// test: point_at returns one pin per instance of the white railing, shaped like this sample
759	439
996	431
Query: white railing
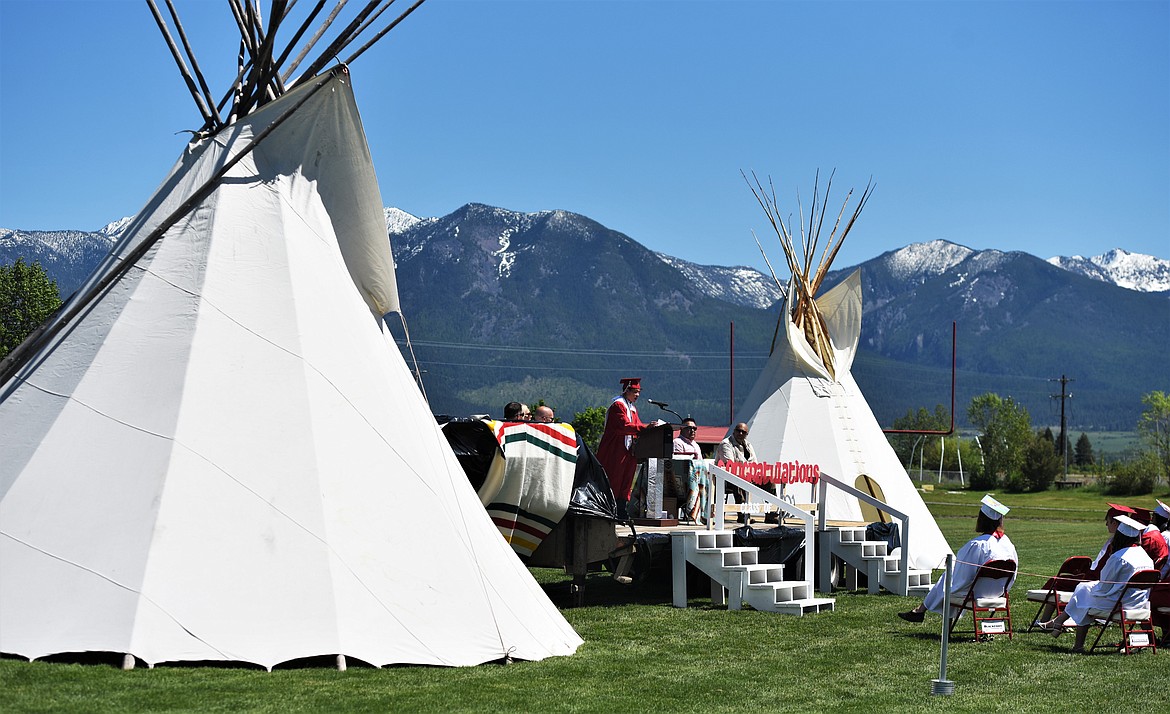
821	556
720	476
904	529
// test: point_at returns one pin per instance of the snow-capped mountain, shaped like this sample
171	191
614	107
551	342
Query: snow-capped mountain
112	230
1144	273
921	260
67	256
503	296
399	221
740	285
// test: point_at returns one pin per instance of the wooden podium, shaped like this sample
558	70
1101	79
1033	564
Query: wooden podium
655	442
654	447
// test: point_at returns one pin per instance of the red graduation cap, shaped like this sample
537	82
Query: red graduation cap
1116	509
631	383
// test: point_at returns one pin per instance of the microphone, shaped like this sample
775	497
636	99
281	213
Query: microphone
661	405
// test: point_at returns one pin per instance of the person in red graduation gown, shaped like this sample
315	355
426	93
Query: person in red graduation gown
615	452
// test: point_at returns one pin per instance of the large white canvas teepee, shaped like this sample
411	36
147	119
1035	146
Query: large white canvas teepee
223	455
800	411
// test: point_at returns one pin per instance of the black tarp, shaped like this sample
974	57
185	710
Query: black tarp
592	495
474	445
887	532
782	544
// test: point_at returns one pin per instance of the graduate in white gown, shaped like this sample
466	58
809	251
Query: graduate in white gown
1160	595
1161	519
991	544
1127	558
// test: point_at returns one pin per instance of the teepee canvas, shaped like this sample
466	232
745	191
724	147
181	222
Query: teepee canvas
216	452
805	406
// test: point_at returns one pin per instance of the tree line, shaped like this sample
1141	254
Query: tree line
27	298
1008	453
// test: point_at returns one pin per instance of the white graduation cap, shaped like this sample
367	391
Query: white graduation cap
1162	510
1128	526
992	508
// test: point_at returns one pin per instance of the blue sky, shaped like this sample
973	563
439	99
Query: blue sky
1035	126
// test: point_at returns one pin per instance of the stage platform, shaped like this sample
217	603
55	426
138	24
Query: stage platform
731	521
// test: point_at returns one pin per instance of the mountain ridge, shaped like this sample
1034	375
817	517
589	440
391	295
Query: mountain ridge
1133	271
506	305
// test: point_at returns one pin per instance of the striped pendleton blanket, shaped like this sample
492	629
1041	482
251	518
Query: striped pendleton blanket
540	461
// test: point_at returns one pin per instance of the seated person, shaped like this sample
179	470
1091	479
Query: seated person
544	414
517	411
1127	557
736	447
1160	594
1160	600
1161	518
1114	511
1152	539
684	445
991	544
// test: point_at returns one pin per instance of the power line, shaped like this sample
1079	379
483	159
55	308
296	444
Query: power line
480	365
575	351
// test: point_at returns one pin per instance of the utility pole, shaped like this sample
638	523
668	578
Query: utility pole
1064	395
731	376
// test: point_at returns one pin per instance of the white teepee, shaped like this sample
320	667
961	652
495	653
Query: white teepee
221	455
806	407
797	412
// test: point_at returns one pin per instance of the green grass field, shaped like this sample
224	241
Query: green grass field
641	654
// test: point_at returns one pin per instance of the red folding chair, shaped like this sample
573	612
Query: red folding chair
1160	606
1137	628
1056	592
992	615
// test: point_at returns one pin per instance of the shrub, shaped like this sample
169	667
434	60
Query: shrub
1133	478
589	425
984	479
1040	466
27	298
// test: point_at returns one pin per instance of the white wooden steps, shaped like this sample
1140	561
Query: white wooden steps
882	570
737	575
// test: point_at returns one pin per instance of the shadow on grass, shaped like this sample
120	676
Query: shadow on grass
112	660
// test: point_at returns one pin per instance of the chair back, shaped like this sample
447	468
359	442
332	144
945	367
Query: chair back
996	570
1143	580
1076	566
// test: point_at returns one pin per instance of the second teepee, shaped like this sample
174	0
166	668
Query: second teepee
805	406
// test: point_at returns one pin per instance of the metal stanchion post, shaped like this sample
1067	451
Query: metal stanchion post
942	685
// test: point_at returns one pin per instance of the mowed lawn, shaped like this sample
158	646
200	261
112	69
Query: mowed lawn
641	654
